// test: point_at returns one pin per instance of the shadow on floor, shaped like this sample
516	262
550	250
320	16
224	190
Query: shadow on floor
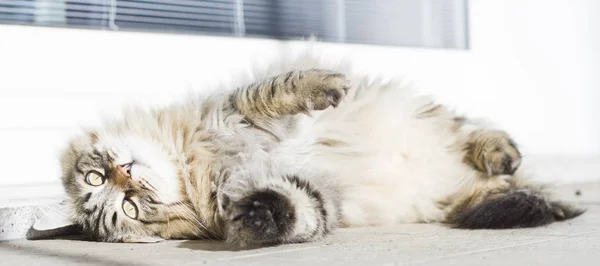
214	245
199	244
66	256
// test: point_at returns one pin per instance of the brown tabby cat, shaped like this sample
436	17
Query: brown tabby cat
292	156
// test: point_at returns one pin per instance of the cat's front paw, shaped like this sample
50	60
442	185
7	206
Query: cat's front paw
264	217
322	88
492	152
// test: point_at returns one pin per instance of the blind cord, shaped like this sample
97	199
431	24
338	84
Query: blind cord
239	26
112	15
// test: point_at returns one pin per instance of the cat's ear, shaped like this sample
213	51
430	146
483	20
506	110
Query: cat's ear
142	239
53	221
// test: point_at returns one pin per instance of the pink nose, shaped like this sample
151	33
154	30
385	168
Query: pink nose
125	169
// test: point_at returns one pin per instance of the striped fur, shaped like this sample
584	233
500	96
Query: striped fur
294	153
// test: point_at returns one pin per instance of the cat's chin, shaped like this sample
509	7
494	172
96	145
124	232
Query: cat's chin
167	191
149	163
152	155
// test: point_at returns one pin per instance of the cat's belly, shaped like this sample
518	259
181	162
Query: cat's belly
400	189
402	184
385	178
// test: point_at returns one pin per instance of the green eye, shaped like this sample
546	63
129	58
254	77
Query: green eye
130	209
94	178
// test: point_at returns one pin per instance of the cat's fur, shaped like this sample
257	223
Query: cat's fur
294	154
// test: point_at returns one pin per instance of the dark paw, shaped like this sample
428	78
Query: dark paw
262	217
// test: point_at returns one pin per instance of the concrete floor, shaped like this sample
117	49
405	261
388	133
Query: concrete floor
575	242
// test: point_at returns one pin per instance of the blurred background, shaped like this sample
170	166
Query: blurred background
531	66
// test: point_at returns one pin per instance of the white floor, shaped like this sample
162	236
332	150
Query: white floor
575	242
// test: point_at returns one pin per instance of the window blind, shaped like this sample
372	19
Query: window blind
422	23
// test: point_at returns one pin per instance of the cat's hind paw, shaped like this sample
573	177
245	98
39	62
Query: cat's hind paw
263	217
492	152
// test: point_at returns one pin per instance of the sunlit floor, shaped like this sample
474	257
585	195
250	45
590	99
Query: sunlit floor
575	242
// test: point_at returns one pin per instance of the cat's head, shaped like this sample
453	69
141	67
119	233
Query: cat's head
125	189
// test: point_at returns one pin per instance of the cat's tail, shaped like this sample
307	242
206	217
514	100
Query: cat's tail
518	206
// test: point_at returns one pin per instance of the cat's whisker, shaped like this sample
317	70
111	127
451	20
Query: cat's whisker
181	209
188	215
176	212
177	208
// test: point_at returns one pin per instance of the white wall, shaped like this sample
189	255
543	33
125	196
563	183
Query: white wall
532	68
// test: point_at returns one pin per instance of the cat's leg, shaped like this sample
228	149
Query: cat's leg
285	210
501	196
290	93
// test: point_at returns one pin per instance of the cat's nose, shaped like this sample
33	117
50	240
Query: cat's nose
125	169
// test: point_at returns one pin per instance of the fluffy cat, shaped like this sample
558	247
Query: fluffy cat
301	149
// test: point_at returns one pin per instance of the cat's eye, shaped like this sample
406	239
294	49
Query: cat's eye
94	178
130	209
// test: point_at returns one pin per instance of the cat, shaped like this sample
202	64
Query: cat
299	150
